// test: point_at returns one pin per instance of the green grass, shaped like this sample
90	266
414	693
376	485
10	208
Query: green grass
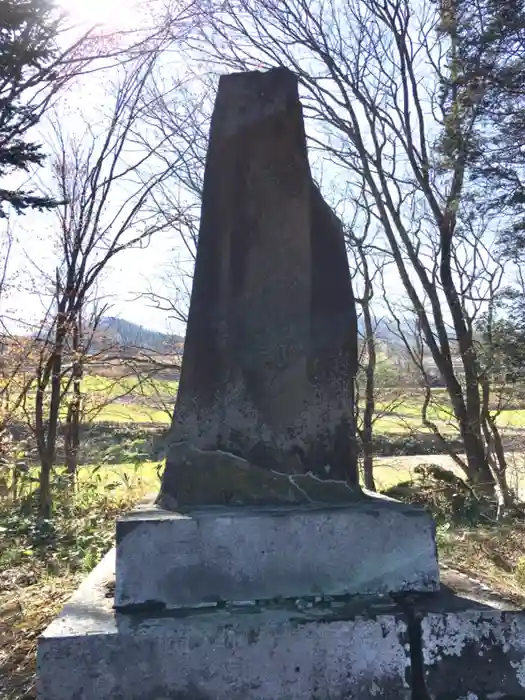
113	388
130	479
128	400
131	413
405	415
100	493
513	418
399	424
121	400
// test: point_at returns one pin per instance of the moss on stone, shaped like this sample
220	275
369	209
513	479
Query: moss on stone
200	478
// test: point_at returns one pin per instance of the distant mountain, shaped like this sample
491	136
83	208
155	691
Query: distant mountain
126	334
119	331
386	331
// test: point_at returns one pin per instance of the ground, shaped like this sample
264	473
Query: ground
42	563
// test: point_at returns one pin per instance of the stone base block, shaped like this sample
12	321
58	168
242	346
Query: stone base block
351	651
476	654
456	644
213	554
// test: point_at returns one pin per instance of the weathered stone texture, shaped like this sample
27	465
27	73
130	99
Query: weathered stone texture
93	653
360	648
476	654
214	477
271	342
209	555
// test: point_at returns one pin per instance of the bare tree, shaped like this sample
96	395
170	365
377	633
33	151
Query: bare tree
178	128
107	183
379	90
480	271
359	243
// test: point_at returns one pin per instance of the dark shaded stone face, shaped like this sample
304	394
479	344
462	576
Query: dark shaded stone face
271	344
213	477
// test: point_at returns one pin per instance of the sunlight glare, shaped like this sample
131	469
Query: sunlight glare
109	14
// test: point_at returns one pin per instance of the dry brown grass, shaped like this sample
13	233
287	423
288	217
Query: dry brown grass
39	573
489	554
25	611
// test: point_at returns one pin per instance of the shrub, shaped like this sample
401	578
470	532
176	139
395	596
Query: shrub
519	571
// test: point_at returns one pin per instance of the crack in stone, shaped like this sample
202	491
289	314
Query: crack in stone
416	673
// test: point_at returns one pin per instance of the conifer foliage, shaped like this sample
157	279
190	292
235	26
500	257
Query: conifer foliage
32	69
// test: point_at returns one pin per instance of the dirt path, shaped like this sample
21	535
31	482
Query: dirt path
389	470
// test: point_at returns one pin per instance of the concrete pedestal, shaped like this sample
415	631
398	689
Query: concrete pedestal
208	555
280	652
439	646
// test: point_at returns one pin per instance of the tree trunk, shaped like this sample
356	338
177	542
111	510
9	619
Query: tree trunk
72	439
495	451
368	467
479	472
46	430
468	416
44	499
368	418
370	369
500	465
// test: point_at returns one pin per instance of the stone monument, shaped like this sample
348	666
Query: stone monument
264	412
263	571
271	344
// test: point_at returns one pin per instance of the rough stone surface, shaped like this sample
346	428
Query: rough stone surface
214	477
271	343
345	653
206	555
477	654
440	646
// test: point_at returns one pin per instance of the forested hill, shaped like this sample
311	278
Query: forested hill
125	333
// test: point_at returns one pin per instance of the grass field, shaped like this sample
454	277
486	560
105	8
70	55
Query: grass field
125	401
130	400
154	401
131	413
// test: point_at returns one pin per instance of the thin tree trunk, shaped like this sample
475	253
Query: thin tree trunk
46	431
368	414
45	499
478	469
72	436
479	472
368	466
500	464
495	451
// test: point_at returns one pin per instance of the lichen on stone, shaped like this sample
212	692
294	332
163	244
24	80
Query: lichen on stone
204	478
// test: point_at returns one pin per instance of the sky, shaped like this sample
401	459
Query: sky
134	272
109	13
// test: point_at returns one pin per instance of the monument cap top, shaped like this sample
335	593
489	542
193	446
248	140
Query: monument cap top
246	98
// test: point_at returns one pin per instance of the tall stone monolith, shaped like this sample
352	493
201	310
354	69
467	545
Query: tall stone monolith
271	344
